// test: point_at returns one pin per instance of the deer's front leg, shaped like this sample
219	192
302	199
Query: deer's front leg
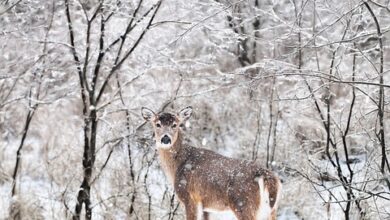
191	210
205	216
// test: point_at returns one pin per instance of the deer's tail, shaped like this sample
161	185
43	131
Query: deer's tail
269	190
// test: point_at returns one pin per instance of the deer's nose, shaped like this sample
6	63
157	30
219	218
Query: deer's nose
166	139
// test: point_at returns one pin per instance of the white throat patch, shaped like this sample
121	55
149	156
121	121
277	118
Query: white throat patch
163	146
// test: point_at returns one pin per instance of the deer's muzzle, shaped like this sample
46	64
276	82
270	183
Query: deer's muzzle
166	139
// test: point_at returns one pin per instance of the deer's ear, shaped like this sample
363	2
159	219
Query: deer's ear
185	113
148	114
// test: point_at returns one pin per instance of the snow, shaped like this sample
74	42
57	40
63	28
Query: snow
190	56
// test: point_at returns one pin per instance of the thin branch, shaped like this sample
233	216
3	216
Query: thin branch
10	7
381	105
121	61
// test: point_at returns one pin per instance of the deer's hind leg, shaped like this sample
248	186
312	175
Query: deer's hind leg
273	215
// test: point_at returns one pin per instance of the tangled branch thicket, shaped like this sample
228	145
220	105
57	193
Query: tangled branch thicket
298	86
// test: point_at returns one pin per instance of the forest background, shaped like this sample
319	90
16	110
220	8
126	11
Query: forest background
299	86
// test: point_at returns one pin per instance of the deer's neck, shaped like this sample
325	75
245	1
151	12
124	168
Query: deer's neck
172	158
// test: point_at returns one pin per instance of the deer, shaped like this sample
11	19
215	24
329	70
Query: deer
205	181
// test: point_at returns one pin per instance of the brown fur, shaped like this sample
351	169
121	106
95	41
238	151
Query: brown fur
216	182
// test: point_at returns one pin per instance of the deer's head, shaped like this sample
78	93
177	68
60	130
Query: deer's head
166	125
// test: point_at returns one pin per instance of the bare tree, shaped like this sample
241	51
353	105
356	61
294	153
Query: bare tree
91	93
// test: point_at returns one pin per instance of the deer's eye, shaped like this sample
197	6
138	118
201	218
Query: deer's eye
158	125
174	125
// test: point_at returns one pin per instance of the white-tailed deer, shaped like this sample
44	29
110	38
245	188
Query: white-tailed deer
205	181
